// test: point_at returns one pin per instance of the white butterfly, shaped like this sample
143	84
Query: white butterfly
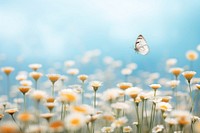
141	45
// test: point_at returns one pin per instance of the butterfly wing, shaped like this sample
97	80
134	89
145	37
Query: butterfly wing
141	45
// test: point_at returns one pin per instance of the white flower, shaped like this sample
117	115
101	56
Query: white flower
35	67
171	121
124	85
155	86
133	92
68	96
192	55
157	129
183	117
7	70
127	129
120	105
176	71
189	75
107	130
164	106
126	71
110	94
173	83
26	83
53	77
83	77
119	122
73	71
171	62
95	85
132	66
75	121
38	95
69	63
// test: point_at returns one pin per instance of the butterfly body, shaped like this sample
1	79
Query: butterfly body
141	46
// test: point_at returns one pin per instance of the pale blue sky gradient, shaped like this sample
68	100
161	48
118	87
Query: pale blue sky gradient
49	30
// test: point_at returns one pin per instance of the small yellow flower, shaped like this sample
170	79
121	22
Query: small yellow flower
173	83
107	129
7	70
56	126
25	117
83	109
83	77
25	83
9	128
155	86
166	99
38	95
35	67
127	129
11	111
35	75
124	85
133	92
47	116
192	55
50	99
73	71
50	105
68	96
53	77
108	117
119	122
24	89
176	71
189	75
75	121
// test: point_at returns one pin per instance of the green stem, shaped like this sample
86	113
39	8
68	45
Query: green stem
154	114
193	103
36	84
118	112
88	129
182	128
124	102
93	126
189	85
24	102
163	119
8	87
138	118
170	129
64	110
154	93
82	93
61	115
53	90
37	111
146	112
142	115
151	116
95	99
192	126
16	122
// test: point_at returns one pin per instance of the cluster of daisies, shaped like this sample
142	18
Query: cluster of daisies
135	105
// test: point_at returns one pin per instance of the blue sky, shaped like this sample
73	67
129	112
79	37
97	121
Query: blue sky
48	30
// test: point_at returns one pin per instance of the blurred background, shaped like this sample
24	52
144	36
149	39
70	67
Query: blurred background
51	32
